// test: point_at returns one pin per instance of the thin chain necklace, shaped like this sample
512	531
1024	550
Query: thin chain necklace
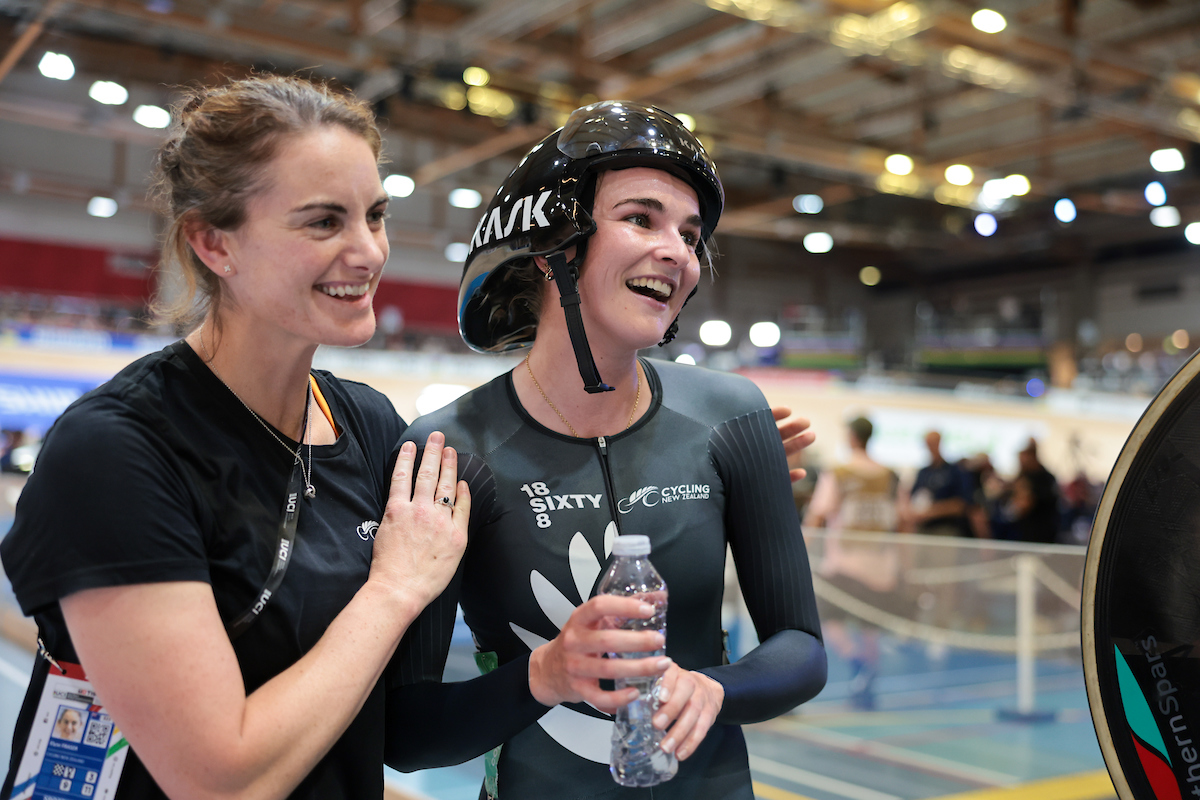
636	398
310	491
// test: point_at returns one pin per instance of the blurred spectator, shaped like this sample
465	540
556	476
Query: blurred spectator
859	495
979	471
1080	498
12	441
1035	499
939	498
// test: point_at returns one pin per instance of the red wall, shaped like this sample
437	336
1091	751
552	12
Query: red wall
424	306
66	269
40	267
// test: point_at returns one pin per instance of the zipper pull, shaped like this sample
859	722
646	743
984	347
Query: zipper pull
603	446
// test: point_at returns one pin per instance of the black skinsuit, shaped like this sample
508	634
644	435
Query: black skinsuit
704	467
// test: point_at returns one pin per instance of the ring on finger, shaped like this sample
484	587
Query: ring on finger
446	501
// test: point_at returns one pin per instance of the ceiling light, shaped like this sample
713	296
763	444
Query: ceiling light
1167	160
898	164
688	121
716	333
1018	184
985	224
988	21
764	334
457	252
476	76
465	198
808	203
993	194
1164	216
102	206
1192	232
109	93
57	66
152	116
399	185
869	276
818	242
955	195
959	174
1064	211
1133	342
685	359
488	102
1156	193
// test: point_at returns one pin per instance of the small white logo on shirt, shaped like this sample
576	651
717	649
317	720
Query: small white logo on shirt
650	496
367	530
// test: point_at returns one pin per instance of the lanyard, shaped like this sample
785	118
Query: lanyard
283	552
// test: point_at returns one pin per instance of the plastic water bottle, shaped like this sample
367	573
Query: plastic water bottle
637	758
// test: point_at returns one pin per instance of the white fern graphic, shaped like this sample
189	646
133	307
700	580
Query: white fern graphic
585	736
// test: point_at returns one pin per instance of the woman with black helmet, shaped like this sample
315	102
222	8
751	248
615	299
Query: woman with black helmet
589	251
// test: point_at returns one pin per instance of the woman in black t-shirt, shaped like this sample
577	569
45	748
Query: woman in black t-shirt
164	502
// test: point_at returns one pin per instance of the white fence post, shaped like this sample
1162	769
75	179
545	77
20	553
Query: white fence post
1026	633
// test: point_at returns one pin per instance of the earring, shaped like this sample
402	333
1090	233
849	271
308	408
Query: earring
228	270
549	274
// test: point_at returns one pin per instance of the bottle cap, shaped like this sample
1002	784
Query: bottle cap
631	546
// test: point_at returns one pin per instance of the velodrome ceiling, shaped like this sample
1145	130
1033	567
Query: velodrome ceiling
793	97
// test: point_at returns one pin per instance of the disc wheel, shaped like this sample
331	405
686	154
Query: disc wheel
1141	602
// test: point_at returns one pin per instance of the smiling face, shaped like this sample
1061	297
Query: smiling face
307	259
68	724
641	263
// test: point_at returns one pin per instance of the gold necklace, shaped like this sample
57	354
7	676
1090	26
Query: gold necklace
637	376
310	491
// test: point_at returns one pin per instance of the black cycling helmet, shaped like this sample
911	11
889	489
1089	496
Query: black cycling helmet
544	207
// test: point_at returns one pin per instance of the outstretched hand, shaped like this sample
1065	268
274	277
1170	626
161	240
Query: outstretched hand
569	668
795	435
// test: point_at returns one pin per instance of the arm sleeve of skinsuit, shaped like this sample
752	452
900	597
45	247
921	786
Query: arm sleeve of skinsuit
439	724
763	530
432	724
421	655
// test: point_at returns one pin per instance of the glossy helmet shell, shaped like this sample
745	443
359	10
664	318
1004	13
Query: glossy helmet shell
544	206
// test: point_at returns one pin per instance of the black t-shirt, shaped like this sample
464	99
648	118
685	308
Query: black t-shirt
1041	522
944	482
704	467
162	475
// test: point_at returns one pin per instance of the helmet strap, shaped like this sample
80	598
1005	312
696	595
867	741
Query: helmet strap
673	330
566	277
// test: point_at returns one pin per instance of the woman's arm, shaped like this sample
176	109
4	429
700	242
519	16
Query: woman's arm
160	658
789	665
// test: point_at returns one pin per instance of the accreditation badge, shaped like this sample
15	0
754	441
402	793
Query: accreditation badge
1141	602
74	749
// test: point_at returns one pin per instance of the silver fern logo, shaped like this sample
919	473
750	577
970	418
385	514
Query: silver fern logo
586	736
367	530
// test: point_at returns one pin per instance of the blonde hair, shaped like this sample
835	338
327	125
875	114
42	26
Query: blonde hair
214	160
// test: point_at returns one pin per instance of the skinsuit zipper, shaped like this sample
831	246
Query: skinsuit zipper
602	447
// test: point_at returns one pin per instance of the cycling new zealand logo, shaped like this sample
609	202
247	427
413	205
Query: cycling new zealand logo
651	496
1159	757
